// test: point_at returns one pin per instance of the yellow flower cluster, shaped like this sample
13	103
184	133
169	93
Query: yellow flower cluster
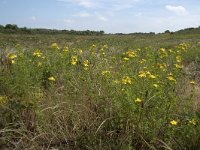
126	80
105	73
144	74
12	57
171	78
92	49
178	62
37	53
66	49
178	66
193	121
129	54
3	99
86	64
163	53
178	59
54	46
192	82
183	46
74	60
162	66
102	50
116	81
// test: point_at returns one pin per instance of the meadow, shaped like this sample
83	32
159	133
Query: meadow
105	92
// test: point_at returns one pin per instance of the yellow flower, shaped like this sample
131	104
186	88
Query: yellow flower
178	66
152	76
66	49
138	100
131	54
163	53
126	80
144	67
80	51
183	46
54	46
162	49
171	78
142	61
171	51
74	60
178	59
3	99
116	81
173	122
51	78
193	121
102	50
155	85
86	63
126	58
142	74
192	82
105	72
148	73
12	56
37	53
170	74
13	61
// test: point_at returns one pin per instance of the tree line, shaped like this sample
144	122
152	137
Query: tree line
14	29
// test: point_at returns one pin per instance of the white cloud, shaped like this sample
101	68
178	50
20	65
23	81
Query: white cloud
129	16
83	14
84	3
67	21
110	13
178	10
103	4
139	14
33	18
101	17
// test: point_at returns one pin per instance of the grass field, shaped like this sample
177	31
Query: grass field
100	92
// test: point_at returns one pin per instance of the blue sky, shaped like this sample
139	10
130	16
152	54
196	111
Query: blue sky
112	16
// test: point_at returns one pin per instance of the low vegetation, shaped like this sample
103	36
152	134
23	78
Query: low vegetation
108	92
